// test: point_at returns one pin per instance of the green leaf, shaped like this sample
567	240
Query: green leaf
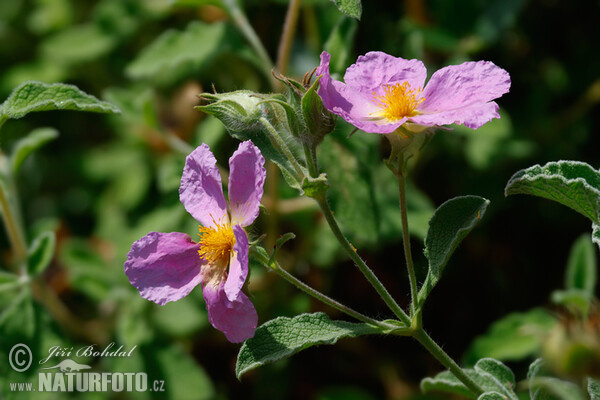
596	234
281	337
534	369
581	267
41	253
571	183
573	299
30	143
35	96
184	51
450	223
448	383
352	8
184	378
593	387
339	44
514	337
559	389
491	375
8	281
17	321
500	374
78	44
491	396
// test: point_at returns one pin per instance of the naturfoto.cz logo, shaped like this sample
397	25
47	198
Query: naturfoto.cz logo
71	376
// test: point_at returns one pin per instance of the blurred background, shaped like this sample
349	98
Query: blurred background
108	180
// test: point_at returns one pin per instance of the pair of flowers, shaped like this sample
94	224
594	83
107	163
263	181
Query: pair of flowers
380	94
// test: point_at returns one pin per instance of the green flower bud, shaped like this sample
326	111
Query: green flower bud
239	111
317	119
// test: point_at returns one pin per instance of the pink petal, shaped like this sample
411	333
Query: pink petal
236	319
246	178
201	192
459	88
353	106
376	69
472	117
164	266
238	266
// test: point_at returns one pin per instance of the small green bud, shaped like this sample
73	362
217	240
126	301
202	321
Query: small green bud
317	119
239	110
406	144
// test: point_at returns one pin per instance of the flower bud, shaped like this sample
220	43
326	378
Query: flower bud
239	111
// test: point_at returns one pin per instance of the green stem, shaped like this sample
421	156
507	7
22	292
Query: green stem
13	228
239	18
274	266
287	36
426	341
311	160
406	242
362	266
282	147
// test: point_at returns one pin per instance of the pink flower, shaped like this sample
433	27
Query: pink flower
381	92
167	266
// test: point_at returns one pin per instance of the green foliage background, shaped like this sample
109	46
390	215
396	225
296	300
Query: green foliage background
105	181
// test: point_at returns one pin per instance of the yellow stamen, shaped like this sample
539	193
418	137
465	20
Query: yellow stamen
398	101
216	244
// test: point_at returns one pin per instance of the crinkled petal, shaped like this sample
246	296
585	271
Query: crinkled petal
472	117
236	319
460	87
164	266
238	266
201	192
353	106
246	178
377	69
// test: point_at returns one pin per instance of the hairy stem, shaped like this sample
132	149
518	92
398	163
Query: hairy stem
13	228
362	266
406	242
287	36
274	266
426	341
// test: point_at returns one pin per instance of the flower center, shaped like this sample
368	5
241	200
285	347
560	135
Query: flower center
216	244
398	101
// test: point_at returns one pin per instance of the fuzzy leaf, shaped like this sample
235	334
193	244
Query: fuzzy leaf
513	337
352	8
281	337
450	223
446	382
491	375
571	183
41	253
30	143
500	374
581	267
8	281
491	396
534	369
593	387
35	96
191	49
596	234
557	388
